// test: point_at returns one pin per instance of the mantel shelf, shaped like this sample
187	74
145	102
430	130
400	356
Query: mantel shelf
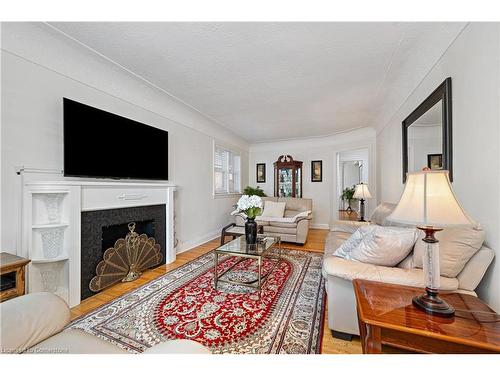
93	183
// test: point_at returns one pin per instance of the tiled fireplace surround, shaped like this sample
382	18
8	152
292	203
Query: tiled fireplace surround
94	223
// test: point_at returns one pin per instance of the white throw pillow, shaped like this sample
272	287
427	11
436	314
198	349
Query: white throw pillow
456	247
349	244
274	209
383	246
381	212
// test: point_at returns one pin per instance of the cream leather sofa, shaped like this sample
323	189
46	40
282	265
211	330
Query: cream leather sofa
339	273
289	232
35	323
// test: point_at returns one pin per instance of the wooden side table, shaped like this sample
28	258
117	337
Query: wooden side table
386	316
12	272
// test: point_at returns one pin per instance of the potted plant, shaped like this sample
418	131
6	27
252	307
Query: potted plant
251	206
254	191
348	195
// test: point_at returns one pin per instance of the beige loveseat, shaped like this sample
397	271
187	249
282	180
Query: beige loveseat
296	231
35	323
339	273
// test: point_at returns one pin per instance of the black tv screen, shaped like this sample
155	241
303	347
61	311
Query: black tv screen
104	145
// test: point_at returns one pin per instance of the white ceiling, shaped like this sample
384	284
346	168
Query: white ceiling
269	81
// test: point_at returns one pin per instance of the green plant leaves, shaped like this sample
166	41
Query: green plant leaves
254	191
253	212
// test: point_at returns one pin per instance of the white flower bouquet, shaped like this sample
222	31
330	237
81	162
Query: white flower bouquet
250	205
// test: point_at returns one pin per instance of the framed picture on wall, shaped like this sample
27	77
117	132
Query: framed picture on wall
261	172
317	171
435	161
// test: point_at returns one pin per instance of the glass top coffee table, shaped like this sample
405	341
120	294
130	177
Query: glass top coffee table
268	247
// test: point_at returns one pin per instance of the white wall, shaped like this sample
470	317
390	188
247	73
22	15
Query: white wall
41	66
472	62
325	200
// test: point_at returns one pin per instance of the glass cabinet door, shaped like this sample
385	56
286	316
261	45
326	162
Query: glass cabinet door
287	177
285	182
298	192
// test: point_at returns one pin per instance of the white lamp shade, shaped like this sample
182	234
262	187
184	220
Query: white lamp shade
428	200
362	192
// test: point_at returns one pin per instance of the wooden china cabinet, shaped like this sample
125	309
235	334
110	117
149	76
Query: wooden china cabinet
287	177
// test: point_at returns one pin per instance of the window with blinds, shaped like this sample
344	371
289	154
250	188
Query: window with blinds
227	177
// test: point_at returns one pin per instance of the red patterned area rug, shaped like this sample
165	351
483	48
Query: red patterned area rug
285	317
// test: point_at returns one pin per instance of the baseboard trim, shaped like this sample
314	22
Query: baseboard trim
319	226
188	245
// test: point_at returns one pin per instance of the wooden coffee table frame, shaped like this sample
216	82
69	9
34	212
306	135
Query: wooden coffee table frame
406	327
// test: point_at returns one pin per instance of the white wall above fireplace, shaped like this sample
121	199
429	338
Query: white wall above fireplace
52	213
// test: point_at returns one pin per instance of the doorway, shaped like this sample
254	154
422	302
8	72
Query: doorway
352	169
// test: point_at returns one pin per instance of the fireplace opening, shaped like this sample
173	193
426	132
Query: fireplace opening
111	233
127	259
101	229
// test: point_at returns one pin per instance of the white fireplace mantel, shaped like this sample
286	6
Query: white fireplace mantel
52	209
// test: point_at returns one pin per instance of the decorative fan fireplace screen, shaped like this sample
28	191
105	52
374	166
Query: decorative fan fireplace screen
126	259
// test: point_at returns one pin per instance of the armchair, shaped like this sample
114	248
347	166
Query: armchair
295	229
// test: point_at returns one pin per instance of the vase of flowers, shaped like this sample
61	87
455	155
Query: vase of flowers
251	206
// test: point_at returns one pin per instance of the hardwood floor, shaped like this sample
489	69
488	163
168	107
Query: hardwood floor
315	242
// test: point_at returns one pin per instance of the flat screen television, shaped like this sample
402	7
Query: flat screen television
104	145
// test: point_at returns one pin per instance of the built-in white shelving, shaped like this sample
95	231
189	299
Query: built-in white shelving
51	260
48	214
45	226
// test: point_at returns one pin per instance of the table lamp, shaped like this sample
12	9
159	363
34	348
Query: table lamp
429	202
362	193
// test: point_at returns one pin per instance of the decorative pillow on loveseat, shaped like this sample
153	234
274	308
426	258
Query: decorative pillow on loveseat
274	209
456	247
382	246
